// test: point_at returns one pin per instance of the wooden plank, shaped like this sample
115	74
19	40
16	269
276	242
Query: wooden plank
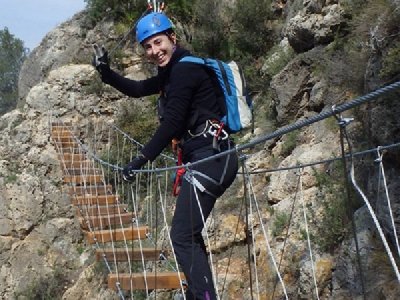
60	123
67	144
71	157
61	133
82	171
106	221
130	234
75	150
101	210
61	130
77	164
94	199
121	254
83	179
90	189
159	280
63	139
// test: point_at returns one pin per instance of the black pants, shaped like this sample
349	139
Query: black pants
187	222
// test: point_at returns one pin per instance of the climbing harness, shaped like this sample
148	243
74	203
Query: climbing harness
179	174
211	128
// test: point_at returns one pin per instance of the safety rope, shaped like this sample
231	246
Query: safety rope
191	177
289	128
231	250
253	238
297	125
83	210
343	123
164	212
382	173
266	238
371	211
246	201
308	235
287	230
355	154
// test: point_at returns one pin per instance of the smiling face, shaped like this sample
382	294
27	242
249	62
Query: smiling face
159	48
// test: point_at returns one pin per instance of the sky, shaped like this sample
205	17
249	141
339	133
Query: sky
31	20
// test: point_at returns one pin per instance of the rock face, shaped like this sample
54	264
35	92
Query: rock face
69	43
39	235
314	25
41	245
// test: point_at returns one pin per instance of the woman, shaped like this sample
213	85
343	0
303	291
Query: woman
189	105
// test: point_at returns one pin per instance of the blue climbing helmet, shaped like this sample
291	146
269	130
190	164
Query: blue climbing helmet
152	24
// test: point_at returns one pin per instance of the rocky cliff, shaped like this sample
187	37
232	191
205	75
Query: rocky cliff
42	250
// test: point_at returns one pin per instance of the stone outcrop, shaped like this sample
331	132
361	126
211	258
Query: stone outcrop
316	24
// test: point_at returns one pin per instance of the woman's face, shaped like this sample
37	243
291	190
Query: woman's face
159	48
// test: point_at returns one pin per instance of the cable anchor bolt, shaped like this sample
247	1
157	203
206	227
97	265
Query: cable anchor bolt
342	121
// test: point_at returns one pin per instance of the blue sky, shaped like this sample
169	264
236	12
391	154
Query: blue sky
30	20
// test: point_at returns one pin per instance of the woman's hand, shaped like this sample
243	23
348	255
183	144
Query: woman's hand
128	173
100	59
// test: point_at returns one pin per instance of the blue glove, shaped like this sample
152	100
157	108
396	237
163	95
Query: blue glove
100	59
128	173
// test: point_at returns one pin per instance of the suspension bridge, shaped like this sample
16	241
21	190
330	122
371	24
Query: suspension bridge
128	224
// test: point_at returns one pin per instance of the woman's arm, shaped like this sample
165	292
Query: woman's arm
132	88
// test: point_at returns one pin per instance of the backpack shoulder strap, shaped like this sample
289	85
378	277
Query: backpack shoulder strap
193	59
217	88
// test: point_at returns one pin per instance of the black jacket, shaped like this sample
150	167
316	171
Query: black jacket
190	95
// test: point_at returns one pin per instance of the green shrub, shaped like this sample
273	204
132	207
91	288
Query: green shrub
391	62
210	30
47	288
95	86
279	58
128	11
251	31
289	142
281	221
11	178
333	227
116	9
181	9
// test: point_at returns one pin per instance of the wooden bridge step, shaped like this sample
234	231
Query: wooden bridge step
120	234
82	171
106	221
94	199
63	139
96	210
72	157
60	123
67	144
58	133
58	129
75	150
90	189
83	179
77	164
159	280
121	254
61	126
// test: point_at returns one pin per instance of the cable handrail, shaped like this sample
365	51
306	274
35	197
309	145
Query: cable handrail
335	110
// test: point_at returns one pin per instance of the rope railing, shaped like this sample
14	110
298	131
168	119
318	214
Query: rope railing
102	138
284	130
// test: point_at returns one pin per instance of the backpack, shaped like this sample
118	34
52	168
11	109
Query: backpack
237	107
